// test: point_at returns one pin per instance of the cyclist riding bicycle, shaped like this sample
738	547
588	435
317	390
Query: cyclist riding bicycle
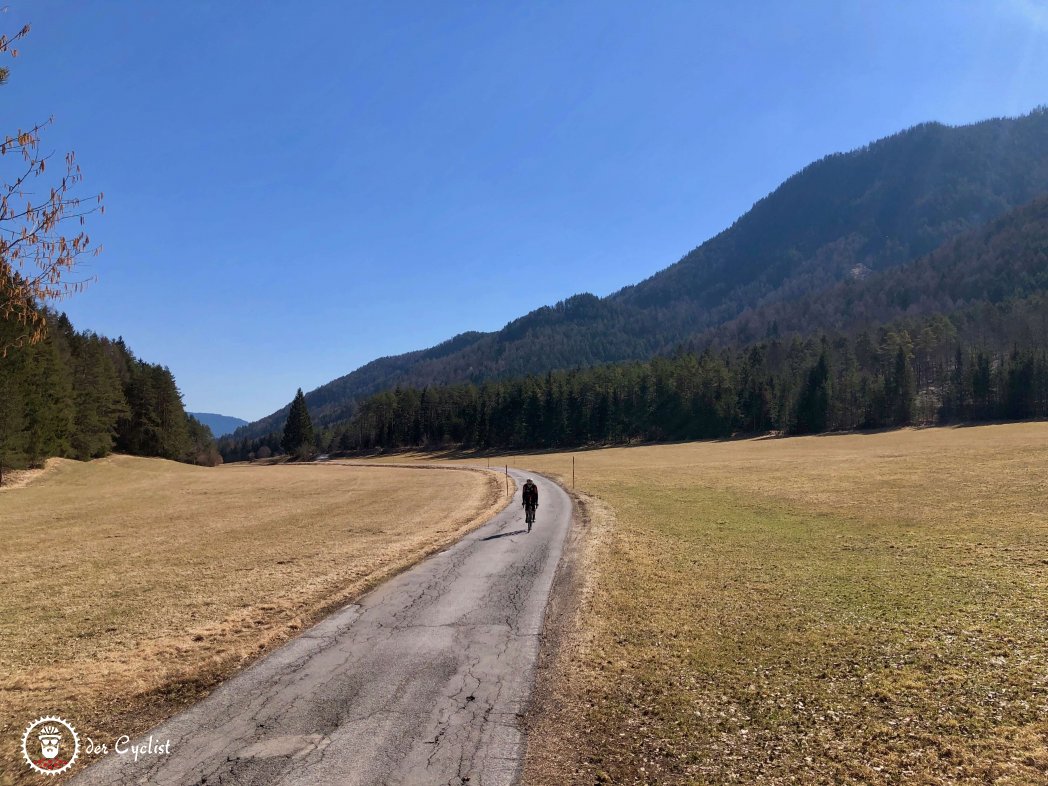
530	496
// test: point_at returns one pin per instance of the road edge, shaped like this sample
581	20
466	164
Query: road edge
554	712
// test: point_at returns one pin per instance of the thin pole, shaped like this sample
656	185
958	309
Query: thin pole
572	472
507	480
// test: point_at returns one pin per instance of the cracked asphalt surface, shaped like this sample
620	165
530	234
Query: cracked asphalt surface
423	681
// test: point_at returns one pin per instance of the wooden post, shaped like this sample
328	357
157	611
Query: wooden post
507	480
572	473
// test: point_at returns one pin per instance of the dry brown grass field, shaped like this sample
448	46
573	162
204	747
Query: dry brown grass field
131	586
849	609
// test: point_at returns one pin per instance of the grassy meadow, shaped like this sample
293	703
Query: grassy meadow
131	586
850	609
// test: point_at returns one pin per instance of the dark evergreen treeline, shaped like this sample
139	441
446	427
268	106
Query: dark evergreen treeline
80	395
937	370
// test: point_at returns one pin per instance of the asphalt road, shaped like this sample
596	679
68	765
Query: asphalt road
421	682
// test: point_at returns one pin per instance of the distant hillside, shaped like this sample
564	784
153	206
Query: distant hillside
956	335
220	425
846	215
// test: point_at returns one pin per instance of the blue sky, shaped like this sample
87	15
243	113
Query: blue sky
294	189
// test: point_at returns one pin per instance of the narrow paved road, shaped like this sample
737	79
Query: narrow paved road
421	682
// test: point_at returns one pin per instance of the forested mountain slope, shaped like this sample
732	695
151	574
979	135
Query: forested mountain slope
958	334
843	217
875	207
1005	259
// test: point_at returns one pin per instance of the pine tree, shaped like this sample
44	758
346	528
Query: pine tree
1021	400
175	442
813	406
955	402
345	442
298	437
48	396
901	389
99	399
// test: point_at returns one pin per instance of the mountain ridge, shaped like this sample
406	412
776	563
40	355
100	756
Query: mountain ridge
876	207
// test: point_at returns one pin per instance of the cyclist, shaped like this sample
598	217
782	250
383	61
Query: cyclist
530	498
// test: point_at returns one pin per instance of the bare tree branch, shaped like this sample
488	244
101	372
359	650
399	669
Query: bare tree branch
39	246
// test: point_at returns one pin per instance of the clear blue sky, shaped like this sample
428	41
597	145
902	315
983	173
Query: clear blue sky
294	189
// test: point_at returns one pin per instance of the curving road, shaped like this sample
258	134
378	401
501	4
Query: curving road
421	682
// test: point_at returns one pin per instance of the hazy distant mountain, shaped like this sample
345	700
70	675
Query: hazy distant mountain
220	425
869	210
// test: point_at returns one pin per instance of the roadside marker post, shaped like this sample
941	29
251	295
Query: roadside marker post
507	480
572	473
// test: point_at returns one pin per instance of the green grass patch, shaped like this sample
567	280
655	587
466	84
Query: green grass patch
744	642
